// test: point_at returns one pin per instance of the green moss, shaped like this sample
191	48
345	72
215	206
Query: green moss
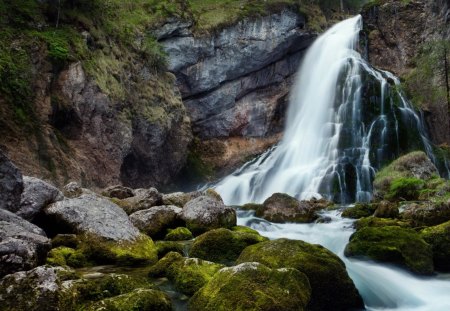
165	247
68	240
223	245
379	222
359	210
253	286
332	288
392	244
160	268
62	256
244	229
179	234
251	207
439	239
139	299
405	189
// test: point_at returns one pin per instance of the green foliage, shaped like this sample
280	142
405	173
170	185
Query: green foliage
154	54
405	189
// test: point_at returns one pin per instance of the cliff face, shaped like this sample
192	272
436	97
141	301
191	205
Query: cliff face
410	38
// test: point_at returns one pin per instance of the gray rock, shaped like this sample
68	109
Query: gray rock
72	190
7	216
173	27
142	199
156	220
41	289
118	191
179	198
93	214
36	195
205	213
23	246
426	213
11	185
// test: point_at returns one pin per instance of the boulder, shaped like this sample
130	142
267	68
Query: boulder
253	286
23	246
179	234
281	207
223	245
379	222
11	184
187	274
332	288
90	213
206	213
179	198
392	244
66	256
72	190
386	209
156	220
439	239
141	200
118	191
36	195
427	213
359	210
165	247
41	289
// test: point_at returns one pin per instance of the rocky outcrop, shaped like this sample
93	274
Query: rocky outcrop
396	33
91	214
11	184
235	82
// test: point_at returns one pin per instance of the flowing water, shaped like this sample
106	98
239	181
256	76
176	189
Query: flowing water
345	120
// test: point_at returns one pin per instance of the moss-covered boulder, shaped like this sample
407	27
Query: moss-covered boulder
426	213
68	240
281	207
187	274
165	247
332	288
379	222
392	244
157	220
404	176
359	210
179	234
66	256
138	299
253	286
439	239
386	209
223	245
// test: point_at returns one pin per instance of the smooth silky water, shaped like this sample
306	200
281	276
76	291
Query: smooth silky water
345	120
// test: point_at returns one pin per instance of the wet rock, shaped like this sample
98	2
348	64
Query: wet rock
281	208
223	245
90	213
41	289
23	246
427	213
359	210
179	234
439	239
206	213
165	247
118	191
36	195
253	286
386	209
392	244
156	220
11	184
332	288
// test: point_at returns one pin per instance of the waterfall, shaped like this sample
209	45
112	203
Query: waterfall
345	120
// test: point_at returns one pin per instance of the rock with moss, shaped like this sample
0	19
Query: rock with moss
392	244
405	189
41	289
72	190
223	245
359	210
117	191
415	165
142	199
68	240
138	299
386	209
165	247
253	286
178	234
187	274
179	198
332	288
244	229
157	220
380	222
66	256
206	213
281	207
439	239
426	213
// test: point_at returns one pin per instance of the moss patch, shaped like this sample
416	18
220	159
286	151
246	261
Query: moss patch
359	210
179	234
439	239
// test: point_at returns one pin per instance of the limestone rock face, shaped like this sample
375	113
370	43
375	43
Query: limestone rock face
23	245
11	184
93	214
36	195
205	213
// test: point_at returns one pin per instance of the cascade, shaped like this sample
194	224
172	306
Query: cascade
345	120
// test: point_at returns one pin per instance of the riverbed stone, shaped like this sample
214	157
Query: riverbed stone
118	191
157	220
11	184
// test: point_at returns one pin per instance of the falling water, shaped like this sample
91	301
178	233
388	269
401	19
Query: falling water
345	120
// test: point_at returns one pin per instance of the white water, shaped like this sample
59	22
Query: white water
329	142
382	287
